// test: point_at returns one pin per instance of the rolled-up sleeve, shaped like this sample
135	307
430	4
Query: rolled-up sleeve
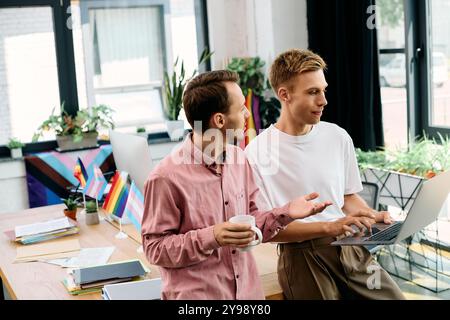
163	245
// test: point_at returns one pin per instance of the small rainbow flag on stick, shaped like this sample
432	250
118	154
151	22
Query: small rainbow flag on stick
117	197
134	208
80	173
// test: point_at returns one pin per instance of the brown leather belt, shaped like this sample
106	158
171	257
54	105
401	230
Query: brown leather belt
309	244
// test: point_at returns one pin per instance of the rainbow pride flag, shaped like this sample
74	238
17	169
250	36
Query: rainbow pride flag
96	184
253	124
134	209
80	173
117	197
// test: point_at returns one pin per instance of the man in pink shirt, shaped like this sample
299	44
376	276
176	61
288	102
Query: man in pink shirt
193	192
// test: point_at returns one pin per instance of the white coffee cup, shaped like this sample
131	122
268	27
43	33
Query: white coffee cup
250	220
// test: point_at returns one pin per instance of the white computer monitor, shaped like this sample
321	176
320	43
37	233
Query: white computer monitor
131	154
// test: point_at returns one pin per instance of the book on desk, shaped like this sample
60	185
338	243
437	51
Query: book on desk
92	279
136	290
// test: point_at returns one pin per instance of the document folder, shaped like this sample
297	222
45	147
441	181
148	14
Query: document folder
114	271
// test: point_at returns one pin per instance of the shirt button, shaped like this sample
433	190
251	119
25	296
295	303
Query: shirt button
233	252
237	276
226	203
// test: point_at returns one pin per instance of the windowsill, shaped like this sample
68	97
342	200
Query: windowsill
47	146
9	159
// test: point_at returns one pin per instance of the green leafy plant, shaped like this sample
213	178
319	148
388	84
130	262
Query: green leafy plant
251	76
87	120
15	143
424	157
71	203
371	159
174	85
91	206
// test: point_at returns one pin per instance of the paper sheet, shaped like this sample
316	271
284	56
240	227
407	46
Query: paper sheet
42	227
87	257
53	247
63	256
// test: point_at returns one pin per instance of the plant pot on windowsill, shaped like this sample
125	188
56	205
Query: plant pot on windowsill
89	140
175	129
16	153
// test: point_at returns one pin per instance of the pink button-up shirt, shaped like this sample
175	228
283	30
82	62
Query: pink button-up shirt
185	196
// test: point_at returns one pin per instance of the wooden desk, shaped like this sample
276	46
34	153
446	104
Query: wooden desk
38	280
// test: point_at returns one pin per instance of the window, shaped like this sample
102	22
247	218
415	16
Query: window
122	49
90	52
28	70
391	42
414	68
439	66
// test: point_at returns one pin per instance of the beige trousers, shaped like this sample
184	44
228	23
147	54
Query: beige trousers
316	270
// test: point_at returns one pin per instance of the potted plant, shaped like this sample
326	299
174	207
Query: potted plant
15	146
141	131
252	77
76	132
71	207
91	213
400	172
173	93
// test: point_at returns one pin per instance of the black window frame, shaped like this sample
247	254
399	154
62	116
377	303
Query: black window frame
425	38
418	64
65	58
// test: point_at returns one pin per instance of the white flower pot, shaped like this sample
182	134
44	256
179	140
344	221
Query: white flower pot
175	129
16	153
92	218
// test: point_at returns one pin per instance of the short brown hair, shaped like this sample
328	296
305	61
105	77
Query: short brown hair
206	94
291	63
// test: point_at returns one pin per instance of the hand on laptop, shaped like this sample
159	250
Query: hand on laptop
361	220
380	216
383	217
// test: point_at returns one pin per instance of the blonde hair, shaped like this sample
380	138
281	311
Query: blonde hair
292	63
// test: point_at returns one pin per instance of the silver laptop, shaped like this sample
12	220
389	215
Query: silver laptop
132	155
425	210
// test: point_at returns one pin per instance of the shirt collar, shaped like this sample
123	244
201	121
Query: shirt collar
199	157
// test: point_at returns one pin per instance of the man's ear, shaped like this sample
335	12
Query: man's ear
283	94
217	120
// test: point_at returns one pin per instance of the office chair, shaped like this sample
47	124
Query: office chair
371	194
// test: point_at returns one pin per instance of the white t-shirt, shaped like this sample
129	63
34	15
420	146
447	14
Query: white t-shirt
288	166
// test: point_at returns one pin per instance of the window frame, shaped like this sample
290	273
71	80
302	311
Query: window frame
65	59
87	5
418	64
425	35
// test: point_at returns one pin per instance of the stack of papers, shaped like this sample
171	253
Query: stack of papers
92	279
43	231
135	290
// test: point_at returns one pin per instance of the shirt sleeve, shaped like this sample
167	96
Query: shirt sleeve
269	222
162	243
352	177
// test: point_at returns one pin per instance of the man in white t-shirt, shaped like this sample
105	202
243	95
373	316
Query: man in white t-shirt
299	155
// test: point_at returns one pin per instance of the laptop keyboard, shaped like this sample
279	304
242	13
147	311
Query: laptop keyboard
386	234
